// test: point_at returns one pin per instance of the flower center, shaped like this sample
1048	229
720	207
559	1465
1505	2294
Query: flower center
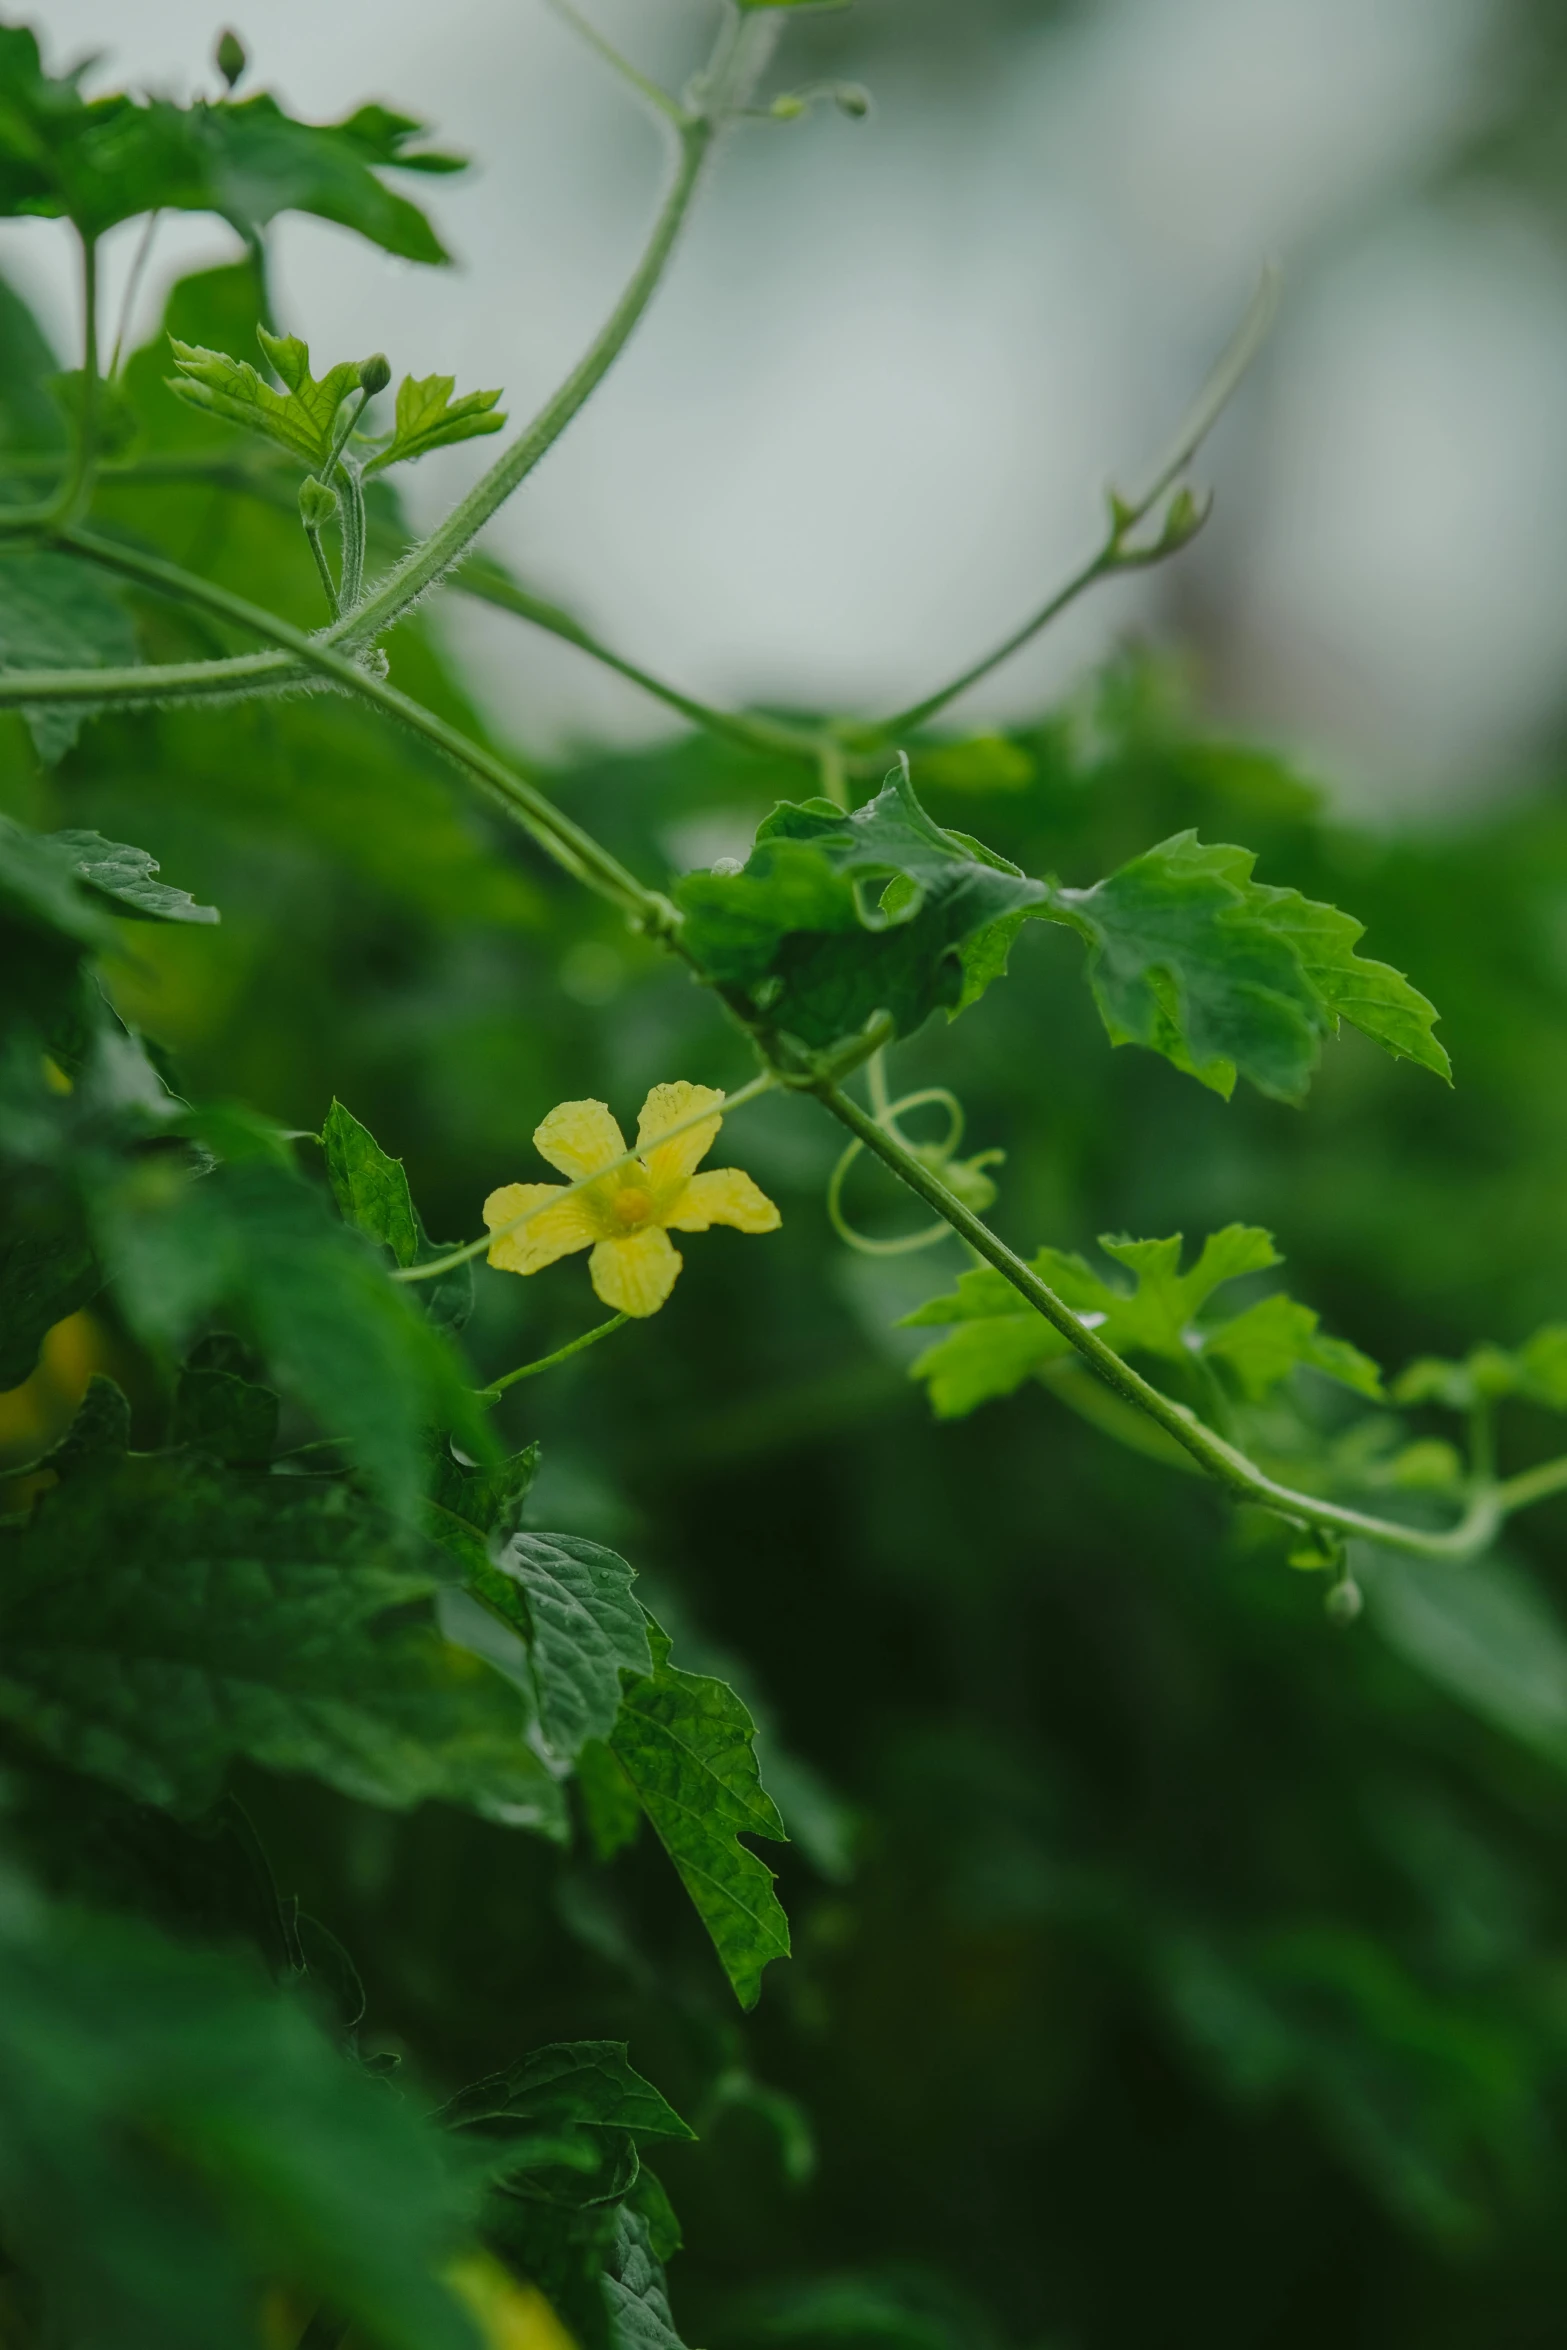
633	1206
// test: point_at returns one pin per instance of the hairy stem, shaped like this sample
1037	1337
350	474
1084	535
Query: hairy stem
739	60
576	851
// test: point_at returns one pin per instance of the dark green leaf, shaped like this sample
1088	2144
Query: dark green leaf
47	1270
371	1191
572	1602
259	1248
160	1616
174	2136
568	2087
635	2287
104	160
609	1801
684	1742
1191	957
837	916
220	1411
470	1507
58	613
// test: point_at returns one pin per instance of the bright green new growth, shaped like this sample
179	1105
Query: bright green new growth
302	418
993	1347
429	418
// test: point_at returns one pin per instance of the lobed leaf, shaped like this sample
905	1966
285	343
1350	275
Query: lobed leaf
995	1342
429	418
162	1615
371	1191
103	160
684	1742
301	418
1223	976
839	915
1535	1372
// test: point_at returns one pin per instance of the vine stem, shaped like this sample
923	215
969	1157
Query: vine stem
573	849
497	1387
1116	554
738	60
1240	1477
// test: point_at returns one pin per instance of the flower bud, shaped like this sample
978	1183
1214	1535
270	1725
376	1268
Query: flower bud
1344	1602
375	373
317	503
229	57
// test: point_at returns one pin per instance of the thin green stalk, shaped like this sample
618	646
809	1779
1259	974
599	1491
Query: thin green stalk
572	848
1116	554
497	1387
649	91
628	1158
133	288
323	567
742	59
1230	1468
351	521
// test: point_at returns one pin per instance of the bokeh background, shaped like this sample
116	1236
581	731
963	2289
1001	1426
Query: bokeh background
1171	1969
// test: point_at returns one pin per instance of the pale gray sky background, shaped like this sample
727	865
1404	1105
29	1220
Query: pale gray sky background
872	415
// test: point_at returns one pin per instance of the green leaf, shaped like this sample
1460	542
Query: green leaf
47	1270
174	2135
125	876
635	2287
371	1191
259	1249
837	916
429	418
1536	1373
572	1603
1486	1634
684	1742
103	160
610	1809
571	2088
161	1615
57	613
469	1506
302	418
1192	958
218	1409
997	1342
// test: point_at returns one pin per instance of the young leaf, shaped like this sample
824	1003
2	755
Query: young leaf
1192	958
1536	1372
684	1742
174	2135
161	1615
58	613
572	1603
837	916
371	1191
300	418
429	418
995	1346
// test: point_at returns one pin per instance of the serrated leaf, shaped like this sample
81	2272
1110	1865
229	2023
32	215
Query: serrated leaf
174	2134
1223	976
301	418
161	1616
102	160
58	613
371	1191
684	1742
572	1602
570	2086
836	916
259	1249
995	1342
126	877
429	418
636	2288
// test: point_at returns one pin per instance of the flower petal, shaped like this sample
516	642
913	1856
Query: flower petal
579	1138
552	1230
671	1163
635	1275
724	1195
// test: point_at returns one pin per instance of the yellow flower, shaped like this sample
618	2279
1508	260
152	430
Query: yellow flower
627	1215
